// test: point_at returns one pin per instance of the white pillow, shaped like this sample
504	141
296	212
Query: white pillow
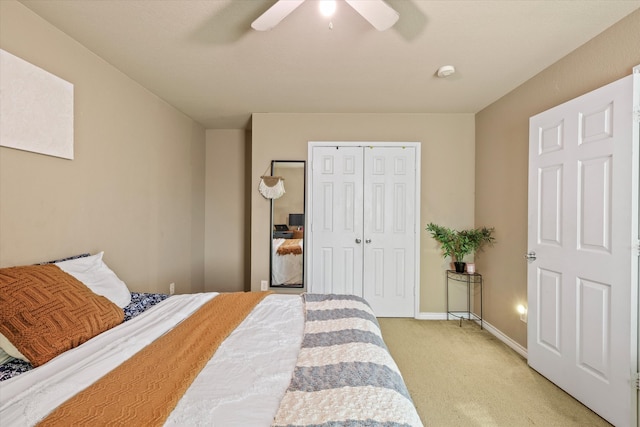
95	274
9	350
4	356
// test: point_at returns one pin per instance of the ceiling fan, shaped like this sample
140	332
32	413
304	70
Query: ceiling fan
377	12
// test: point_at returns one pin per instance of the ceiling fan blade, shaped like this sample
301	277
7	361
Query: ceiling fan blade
377	12
275	14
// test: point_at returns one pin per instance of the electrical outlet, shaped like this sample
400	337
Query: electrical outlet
264	285
523	312
523	317
172	288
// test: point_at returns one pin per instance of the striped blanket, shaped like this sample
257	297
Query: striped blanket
345	375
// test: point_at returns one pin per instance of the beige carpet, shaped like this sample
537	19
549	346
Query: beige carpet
464	376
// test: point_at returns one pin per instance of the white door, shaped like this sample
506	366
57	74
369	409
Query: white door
363	213
389	224
582	285
336	220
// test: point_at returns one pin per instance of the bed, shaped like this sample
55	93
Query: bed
286	262
279	360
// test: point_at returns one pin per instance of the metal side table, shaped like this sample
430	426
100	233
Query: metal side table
471	280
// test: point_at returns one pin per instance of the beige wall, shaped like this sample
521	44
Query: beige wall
135	188
226	212
447	181
502	160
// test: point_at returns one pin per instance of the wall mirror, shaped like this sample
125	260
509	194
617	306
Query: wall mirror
287	226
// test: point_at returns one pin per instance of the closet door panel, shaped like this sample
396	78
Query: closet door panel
337	220
389	219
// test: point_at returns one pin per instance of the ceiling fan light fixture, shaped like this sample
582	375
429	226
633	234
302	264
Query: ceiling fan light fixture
327	7
377	12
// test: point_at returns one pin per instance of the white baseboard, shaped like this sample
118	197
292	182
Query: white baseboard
431	316
505	339
488	326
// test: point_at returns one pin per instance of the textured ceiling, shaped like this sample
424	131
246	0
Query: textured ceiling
203	57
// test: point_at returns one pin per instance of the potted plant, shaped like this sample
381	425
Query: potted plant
459	243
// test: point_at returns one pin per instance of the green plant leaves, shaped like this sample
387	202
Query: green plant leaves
457	244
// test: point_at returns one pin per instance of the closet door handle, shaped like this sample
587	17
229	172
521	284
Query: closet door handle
358	241
368	241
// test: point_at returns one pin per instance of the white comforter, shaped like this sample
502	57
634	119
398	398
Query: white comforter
236	378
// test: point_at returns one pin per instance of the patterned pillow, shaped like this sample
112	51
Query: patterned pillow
65	259
45	311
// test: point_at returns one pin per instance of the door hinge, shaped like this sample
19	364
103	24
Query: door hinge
636	381
636	115
636	248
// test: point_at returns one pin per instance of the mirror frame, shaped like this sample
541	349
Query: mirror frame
274	164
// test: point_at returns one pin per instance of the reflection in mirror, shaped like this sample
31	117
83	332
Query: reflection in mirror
287	224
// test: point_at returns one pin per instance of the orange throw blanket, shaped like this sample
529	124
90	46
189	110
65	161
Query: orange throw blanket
145	389
290	246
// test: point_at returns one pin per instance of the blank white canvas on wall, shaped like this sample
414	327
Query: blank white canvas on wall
36	108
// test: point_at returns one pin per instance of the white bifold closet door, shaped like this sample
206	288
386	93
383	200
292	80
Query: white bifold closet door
363	222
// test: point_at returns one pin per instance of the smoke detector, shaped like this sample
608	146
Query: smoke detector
446	71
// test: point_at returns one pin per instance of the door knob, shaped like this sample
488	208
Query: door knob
368	241
358	241
531	256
